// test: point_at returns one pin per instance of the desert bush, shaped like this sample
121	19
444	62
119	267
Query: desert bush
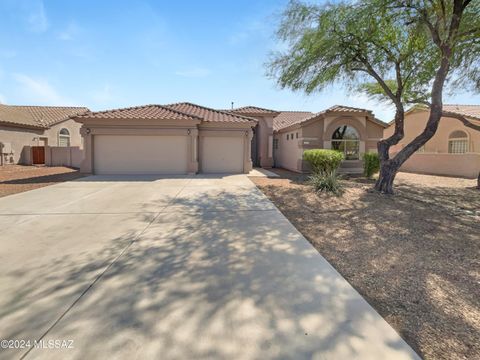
323	160
326	182
371	164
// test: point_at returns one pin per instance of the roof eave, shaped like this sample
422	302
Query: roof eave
26	126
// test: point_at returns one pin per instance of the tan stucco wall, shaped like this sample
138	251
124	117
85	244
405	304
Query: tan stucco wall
19	138
415	123
289	152
435	158
462	165
195	132
264	139
317	134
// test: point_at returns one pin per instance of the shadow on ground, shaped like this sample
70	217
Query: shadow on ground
413	256
215	275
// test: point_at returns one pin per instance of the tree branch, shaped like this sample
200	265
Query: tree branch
462	118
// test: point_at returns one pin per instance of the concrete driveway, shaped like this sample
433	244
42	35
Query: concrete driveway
173	268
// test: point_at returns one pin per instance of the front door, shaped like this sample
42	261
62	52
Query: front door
38	155
254	148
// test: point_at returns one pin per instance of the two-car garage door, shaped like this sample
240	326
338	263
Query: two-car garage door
140	154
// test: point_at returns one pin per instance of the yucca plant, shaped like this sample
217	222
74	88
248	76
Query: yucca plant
328	182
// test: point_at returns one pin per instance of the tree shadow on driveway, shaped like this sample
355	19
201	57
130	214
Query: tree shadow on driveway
218	274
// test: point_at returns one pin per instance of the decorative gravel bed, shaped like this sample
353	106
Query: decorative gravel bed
18	178
414	256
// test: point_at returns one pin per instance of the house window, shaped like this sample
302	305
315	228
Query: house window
275	144
458	142
346	139
288	136
296	135
64	138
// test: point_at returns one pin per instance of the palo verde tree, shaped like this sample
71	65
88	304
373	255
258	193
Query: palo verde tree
406	52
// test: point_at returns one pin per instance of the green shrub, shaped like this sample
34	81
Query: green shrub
371	164
326	182
323	160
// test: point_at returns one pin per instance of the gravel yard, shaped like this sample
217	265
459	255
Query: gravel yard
18	178
414	256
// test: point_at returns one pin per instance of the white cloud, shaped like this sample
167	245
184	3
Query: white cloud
70	32
37	19
195	72
251	29
40	91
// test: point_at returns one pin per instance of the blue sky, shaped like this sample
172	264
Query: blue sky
107	54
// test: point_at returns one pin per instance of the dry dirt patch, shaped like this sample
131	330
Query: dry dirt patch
413	256
18	178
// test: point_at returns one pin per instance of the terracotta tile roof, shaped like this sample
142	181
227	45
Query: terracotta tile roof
287	118
210	115
38	116
469	111
341	108
290	118
253	110
142	112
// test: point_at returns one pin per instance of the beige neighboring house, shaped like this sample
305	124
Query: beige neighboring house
181	138
454	150
283	136
40	135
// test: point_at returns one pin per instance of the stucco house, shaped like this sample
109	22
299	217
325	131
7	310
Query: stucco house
454	150
28	134
187	138
283	136
179	138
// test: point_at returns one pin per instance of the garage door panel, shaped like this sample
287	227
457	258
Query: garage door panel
222	154
139	154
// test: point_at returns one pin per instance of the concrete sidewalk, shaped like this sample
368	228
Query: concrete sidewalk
181	267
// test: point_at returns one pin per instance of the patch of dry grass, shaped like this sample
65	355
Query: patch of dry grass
413	256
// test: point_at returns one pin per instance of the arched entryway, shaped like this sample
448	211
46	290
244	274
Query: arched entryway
347	140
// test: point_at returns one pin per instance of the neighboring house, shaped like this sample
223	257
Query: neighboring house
454	150
179	138
187	138
29	134
283	136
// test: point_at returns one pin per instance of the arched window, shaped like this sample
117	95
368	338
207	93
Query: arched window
346	139
64	138
458	142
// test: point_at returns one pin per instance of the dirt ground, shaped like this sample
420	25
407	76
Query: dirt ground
18	178
414	256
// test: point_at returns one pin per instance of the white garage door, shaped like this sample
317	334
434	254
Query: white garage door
139	154
222	155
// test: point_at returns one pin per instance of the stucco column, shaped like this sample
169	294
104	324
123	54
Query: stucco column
86	167
192	151
247	156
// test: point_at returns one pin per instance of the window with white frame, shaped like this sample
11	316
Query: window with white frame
346	139
64	138
458	142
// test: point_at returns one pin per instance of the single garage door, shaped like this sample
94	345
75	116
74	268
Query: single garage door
222	154
139	154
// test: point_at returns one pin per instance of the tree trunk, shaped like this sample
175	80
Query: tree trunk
388	171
